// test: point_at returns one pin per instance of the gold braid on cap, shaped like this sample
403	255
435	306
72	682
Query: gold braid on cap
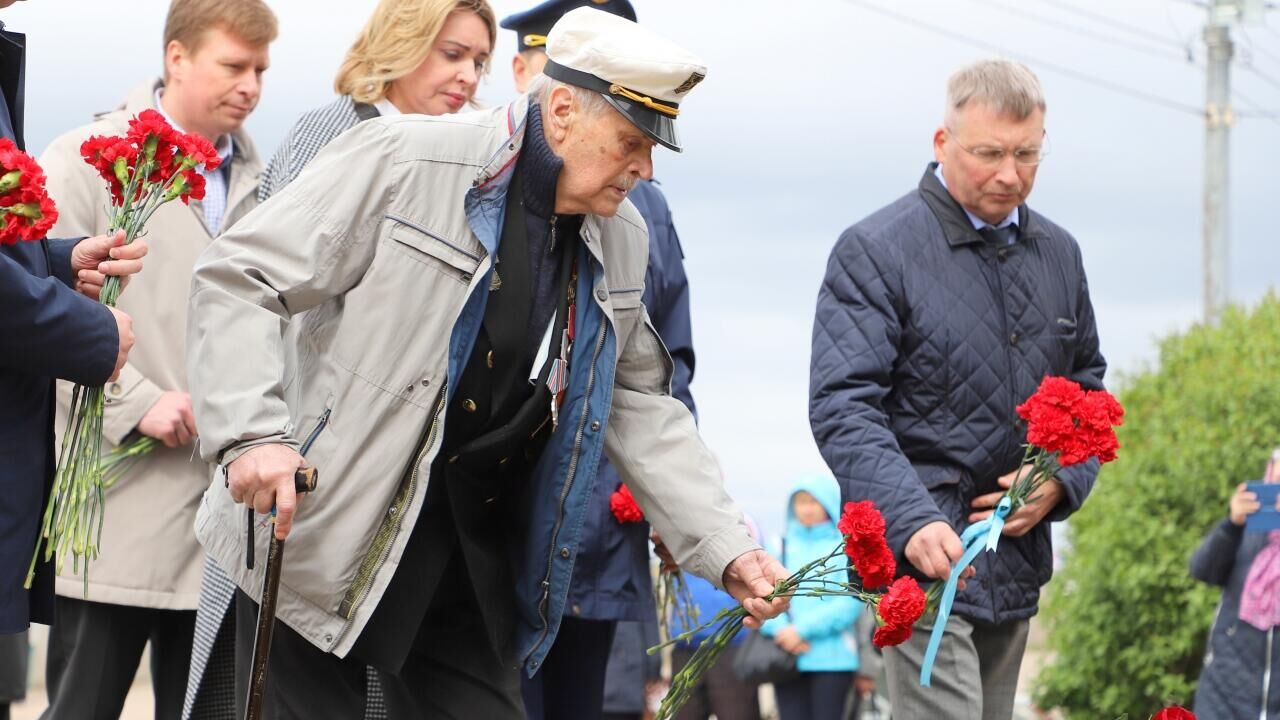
532	40
645	100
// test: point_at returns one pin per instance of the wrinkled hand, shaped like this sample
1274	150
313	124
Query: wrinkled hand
788	638
660	549
263	478
1243	504
934	549
124	330
1020	522
750	578
93	259
170	420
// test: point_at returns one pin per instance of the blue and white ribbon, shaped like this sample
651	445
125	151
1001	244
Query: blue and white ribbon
983	535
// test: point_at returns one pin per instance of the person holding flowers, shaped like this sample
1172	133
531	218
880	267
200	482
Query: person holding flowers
611	581
51	327
939	315
145	585
427	258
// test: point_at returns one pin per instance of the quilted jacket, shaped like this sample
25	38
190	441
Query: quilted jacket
925	340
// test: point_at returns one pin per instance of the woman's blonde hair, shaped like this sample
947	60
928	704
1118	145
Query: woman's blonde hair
396	40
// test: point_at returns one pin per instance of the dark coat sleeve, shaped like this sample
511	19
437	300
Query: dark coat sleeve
1214	560
856	335
49	330
671	315
1088	369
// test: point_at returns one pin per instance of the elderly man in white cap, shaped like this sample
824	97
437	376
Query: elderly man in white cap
475	342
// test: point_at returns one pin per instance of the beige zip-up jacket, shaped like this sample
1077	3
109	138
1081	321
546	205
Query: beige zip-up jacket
373	241
149	553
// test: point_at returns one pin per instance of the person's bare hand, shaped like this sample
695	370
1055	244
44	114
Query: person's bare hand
750	578
124	330
170	420
263	478
934	549
1243	504
1019	523
660	549
864	685
788	638
95	258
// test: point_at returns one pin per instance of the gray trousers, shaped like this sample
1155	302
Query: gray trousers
975	676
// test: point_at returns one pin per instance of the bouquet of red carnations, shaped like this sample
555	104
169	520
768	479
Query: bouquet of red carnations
26	212
671	595
898	606
148	167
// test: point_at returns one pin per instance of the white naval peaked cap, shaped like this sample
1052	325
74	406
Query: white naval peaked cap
643	76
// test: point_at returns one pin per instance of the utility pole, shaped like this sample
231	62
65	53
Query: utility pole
1218	121
1219	117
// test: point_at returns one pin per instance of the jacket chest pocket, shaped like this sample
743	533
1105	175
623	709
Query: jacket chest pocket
394	325
451	259
1057	340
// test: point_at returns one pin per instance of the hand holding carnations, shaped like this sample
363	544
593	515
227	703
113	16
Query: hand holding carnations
1044	499
95	259
751	579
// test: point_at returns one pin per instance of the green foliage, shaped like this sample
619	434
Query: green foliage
1127	624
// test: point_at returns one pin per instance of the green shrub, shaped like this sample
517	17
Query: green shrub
1127	624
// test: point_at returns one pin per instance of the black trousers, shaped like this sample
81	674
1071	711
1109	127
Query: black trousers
570	683
451	671
94	651
814	696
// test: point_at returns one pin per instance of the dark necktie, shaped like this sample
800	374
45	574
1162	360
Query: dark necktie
999	237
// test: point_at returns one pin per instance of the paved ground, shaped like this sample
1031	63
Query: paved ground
140	705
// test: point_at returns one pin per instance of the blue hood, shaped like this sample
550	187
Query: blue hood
822	487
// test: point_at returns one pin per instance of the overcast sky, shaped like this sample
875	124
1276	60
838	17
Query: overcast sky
815	113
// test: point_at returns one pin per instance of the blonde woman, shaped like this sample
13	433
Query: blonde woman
412	56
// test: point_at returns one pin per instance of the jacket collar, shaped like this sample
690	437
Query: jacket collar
493	180
955	221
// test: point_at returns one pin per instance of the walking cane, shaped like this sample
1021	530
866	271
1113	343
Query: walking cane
304	480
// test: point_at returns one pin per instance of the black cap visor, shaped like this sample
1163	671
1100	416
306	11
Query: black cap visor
659	126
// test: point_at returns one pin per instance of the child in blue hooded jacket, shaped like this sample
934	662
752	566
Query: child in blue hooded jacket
819	631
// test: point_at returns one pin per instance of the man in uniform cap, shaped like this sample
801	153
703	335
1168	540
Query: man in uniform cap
611	582
440	255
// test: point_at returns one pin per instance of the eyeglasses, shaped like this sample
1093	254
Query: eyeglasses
993	156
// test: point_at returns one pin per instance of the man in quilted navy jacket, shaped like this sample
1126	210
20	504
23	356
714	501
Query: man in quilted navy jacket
938	315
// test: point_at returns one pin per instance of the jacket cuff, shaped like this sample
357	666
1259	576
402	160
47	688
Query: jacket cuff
232	452
127	400
714	554
1076	482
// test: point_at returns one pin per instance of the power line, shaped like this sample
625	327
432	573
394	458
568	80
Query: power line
1086	32
1255	49
1060	69
1098	17
1263	76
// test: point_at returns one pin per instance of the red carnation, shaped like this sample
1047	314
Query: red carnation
899	608
199	150
1062	418
26	212
863	528
890	635
1175	712
624	506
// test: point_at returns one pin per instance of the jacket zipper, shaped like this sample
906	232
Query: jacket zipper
315	432
564	491
389	530
1013	400
433	236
